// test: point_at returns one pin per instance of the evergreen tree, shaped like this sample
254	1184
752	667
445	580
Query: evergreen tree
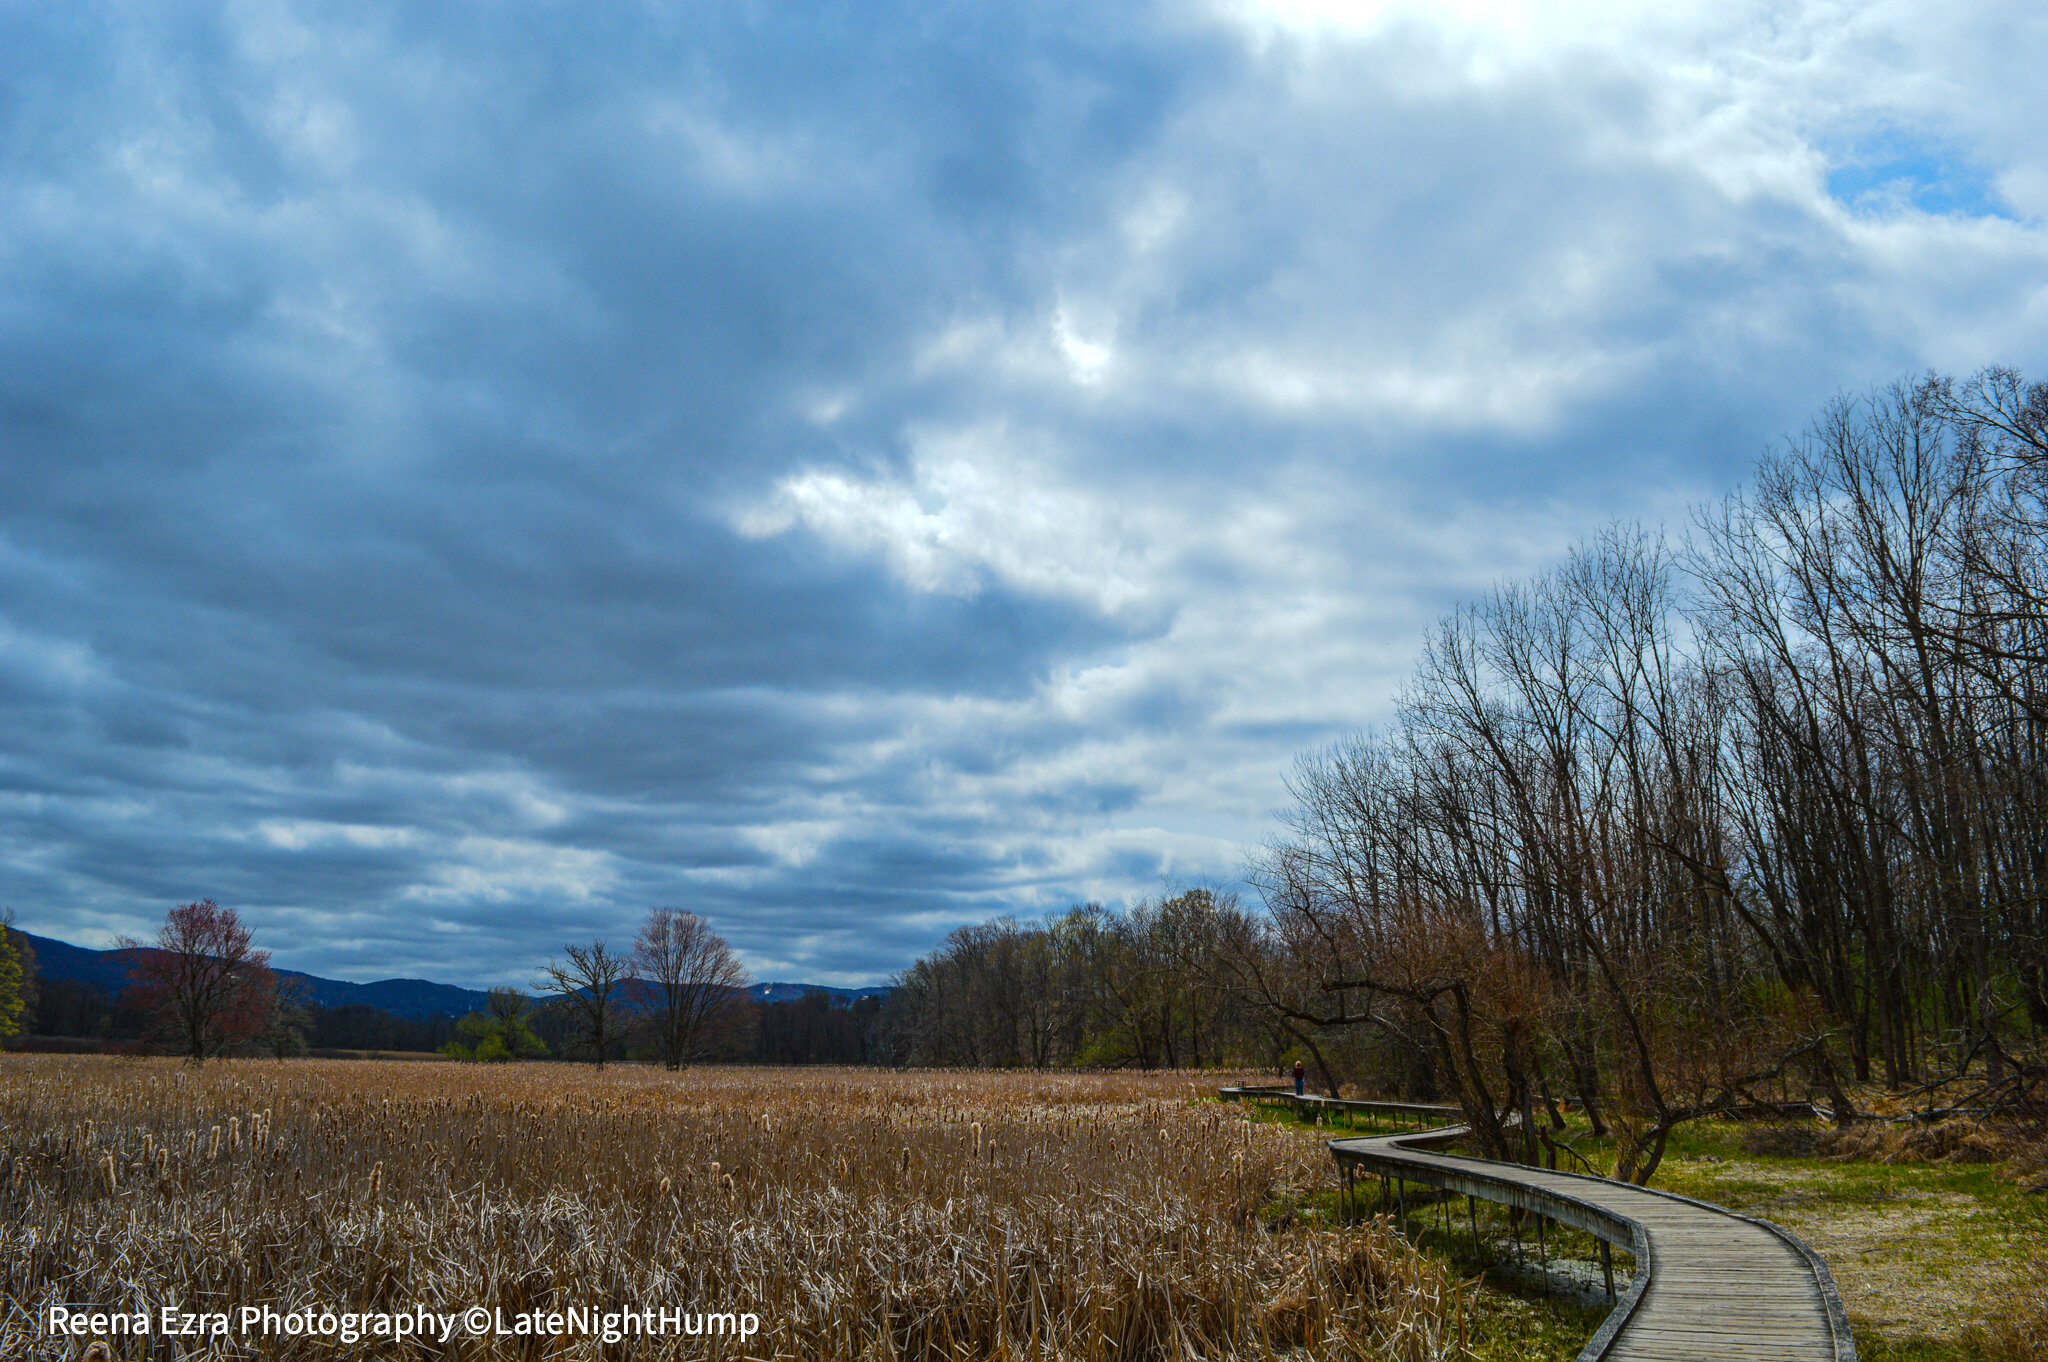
13	994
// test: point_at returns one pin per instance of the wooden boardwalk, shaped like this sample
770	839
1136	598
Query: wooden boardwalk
1708	1283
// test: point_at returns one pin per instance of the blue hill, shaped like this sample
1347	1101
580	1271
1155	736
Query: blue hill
779	992
400	997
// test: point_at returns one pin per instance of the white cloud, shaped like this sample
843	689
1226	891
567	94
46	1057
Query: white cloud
974	504
479	871
299	834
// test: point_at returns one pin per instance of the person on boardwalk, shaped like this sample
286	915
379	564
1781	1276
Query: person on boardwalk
1300	1077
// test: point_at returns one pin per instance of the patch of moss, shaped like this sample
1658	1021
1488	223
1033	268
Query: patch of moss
1873	1346
1503	1326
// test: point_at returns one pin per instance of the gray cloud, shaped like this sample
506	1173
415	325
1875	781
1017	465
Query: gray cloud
467	478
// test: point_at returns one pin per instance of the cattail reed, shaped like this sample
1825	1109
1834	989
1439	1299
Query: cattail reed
1114	1217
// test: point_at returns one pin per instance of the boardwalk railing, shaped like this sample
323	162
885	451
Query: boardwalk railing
1308	1101
1709	1283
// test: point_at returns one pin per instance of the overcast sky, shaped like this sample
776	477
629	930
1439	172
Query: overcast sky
472	473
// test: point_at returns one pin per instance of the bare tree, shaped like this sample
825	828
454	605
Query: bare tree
506	1006
592	989
690	978
1661	829
202	979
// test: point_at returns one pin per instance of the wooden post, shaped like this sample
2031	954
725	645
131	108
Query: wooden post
1607	1266
1472	1209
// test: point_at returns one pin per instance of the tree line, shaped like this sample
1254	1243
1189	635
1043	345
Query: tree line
1091	986
1676	828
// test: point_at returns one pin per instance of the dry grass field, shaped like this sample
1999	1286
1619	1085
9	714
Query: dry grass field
858	1214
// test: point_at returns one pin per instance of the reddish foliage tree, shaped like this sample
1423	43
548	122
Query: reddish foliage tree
202	980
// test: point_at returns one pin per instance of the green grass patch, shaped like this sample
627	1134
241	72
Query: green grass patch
1338	1125
1874	1346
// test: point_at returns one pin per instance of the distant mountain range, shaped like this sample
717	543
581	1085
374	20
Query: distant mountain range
400	997
779	992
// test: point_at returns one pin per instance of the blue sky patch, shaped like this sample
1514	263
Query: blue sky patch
1896	171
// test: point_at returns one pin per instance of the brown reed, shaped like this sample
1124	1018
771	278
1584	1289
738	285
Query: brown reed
861	1214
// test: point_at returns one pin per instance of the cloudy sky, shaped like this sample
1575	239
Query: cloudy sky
472	473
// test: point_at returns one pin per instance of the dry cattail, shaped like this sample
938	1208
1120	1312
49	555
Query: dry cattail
107	1168
213	1144
1082	1237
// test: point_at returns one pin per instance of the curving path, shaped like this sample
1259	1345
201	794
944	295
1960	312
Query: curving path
1708	1284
